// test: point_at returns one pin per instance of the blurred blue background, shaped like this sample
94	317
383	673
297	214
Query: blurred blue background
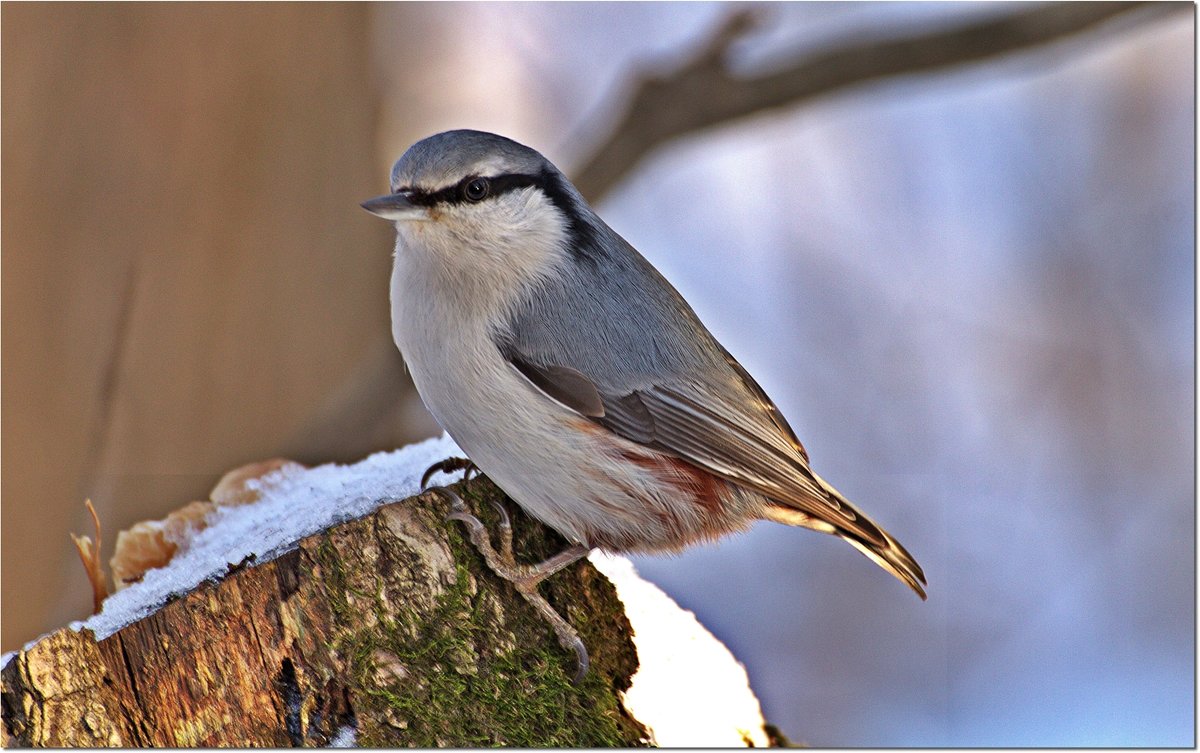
972	293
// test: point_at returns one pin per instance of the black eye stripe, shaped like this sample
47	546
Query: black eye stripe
583	232
500	184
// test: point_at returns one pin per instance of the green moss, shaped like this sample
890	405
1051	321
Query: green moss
481	667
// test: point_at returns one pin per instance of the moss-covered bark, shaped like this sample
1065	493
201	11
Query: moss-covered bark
391	622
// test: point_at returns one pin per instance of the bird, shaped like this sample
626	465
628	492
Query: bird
577	378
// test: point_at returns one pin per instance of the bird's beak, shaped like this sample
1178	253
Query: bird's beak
394	206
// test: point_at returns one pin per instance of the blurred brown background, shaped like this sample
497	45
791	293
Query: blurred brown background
188	281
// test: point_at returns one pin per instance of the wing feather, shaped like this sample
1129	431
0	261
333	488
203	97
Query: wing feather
737	435
744	448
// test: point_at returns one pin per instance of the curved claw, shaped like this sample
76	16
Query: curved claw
584	663
429	474
506	533
449	465
456	502
460	512
465	517
502	511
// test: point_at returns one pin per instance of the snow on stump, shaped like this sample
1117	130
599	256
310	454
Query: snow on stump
339	608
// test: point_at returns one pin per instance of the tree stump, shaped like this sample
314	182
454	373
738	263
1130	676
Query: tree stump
390	625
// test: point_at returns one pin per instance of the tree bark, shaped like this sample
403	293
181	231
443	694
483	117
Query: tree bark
391	624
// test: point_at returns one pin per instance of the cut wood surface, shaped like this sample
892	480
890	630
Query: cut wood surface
389	624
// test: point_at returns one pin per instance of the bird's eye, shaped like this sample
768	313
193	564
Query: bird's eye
477	189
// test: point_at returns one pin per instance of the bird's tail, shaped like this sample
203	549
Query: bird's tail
860	532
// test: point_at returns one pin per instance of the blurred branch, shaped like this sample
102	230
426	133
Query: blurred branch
703	92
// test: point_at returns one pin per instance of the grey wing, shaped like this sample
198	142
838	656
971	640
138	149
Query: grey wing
616	343
739	437
612	336
727	427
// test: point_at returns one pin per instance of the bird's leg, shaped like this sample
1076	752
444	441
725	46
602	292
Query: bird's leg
506	550
525	578
449	465
503	563
452	464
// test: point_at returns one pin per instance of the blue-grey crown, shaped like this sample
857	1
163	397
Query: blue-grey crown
465	166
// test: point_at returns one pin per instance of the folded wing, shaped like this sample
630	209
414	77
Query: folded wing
729	427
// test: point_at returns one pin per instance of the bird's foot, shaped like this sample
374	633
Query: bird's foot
449	465
525	578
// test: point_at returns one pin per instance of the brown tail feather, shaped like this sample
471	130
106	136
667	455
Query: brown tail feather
893	558
866	536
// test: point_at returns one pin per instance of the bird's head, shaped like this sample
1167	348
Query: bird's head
474	199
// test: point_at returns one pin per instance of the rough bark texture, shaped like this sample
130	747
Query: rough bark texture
391	623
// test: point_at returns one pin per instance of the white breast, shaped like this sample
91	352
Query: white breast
563	470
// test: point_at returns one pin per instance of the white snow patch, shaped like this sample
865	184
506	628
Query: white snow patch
294	503
689	690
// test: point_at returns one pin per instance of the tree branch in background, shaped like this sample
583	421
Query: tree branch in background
703	92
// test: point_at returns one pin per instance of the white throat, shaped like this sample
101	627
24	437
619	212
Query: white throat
457	275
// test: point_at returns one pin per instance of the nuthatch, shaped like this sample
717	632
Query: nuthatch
572	373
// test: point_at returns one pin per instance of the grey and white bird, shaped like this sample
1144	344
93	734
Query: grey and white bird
578	379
